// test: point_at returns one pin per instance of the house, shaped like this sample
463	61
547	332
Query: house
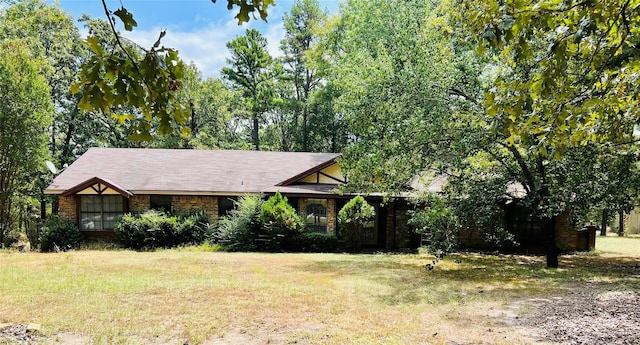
105	183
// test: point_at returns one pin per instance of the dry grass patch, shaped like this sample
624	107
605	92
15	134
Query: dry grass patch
174	297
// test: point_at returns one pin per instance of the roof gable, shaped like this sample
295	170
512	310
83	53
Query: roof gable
97	185
328	172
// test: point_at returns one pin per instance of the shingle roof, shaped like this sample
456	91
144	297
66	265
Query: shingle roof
188	171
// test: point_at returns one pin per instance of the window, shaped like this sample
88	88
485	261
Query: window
226	204
316	218
160	202
99	212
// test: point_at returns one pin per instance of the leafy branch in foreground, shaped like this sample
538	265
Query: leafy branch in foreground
126	76
567	70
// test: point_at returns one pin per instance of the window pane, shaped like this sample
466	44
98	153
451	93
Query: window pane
90	203
226	204
109	222
316	218
160	202
90	221
99	212
112	203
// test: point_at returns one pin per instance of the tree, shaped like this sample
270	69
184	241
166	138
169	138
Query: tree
353	217
300	24
217	115
251	73
392	74
25	114
567	72
564	77
418	112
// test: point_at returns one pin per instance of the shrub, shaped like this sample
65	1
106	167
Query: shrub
312	242
352	218
241	229
155	229
499	239
439	224
58	234
278	217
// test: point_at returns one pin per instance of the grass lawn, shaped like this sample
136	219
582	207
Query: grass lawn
180	296
618	245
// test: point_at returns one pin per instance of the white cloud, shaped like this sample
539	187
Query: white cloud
206	46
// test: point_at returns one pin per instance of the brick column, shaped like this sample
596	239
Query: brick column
68	210
332	216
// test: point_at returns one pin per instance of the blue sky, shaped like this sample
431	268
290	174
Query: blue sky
199	29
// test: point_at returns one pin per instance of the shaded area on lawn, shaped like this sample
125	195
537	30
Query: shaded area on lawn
467	278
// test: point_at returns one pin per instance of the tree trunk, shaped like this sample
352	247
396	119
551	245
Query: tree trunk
256	140
621	223
603	226
305	129
192	124
552	250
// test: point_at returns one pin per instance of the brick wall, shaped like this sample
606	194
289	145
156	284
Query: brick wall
139	203
187	203
67	208
566	237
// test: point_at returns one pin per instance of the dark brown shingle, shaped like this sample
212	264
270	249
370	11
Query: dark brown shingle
188	171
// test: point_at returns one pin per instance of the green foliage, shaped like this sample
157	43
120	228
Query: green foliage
257	225
312	242
147	80
247	7
279	217
59	234
352	218
499	239
301	25
566	71
439	224
25	115
251	73
241	229
154	229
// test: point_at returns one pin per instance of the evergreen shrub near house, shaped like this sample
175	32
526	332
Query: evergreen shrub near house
156	229
312	242
241	228
256	225
352	218
58	234
278	217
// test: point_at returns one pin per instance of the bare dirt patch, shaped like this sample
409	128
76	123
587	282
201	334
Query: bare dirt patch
584	317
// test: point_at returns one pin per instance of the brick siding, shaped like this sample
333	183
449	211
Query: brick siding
67	208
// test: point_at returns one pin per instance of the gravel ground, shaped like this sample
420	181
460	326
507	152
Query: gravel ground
586	317
18	334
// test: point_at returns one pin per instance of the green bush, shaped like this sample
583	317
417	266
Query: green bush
58	234
312	242
241	229
352	218
280	218
155	229
257	225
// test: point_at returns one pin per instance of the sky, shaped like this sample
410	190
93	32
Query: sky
198	29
